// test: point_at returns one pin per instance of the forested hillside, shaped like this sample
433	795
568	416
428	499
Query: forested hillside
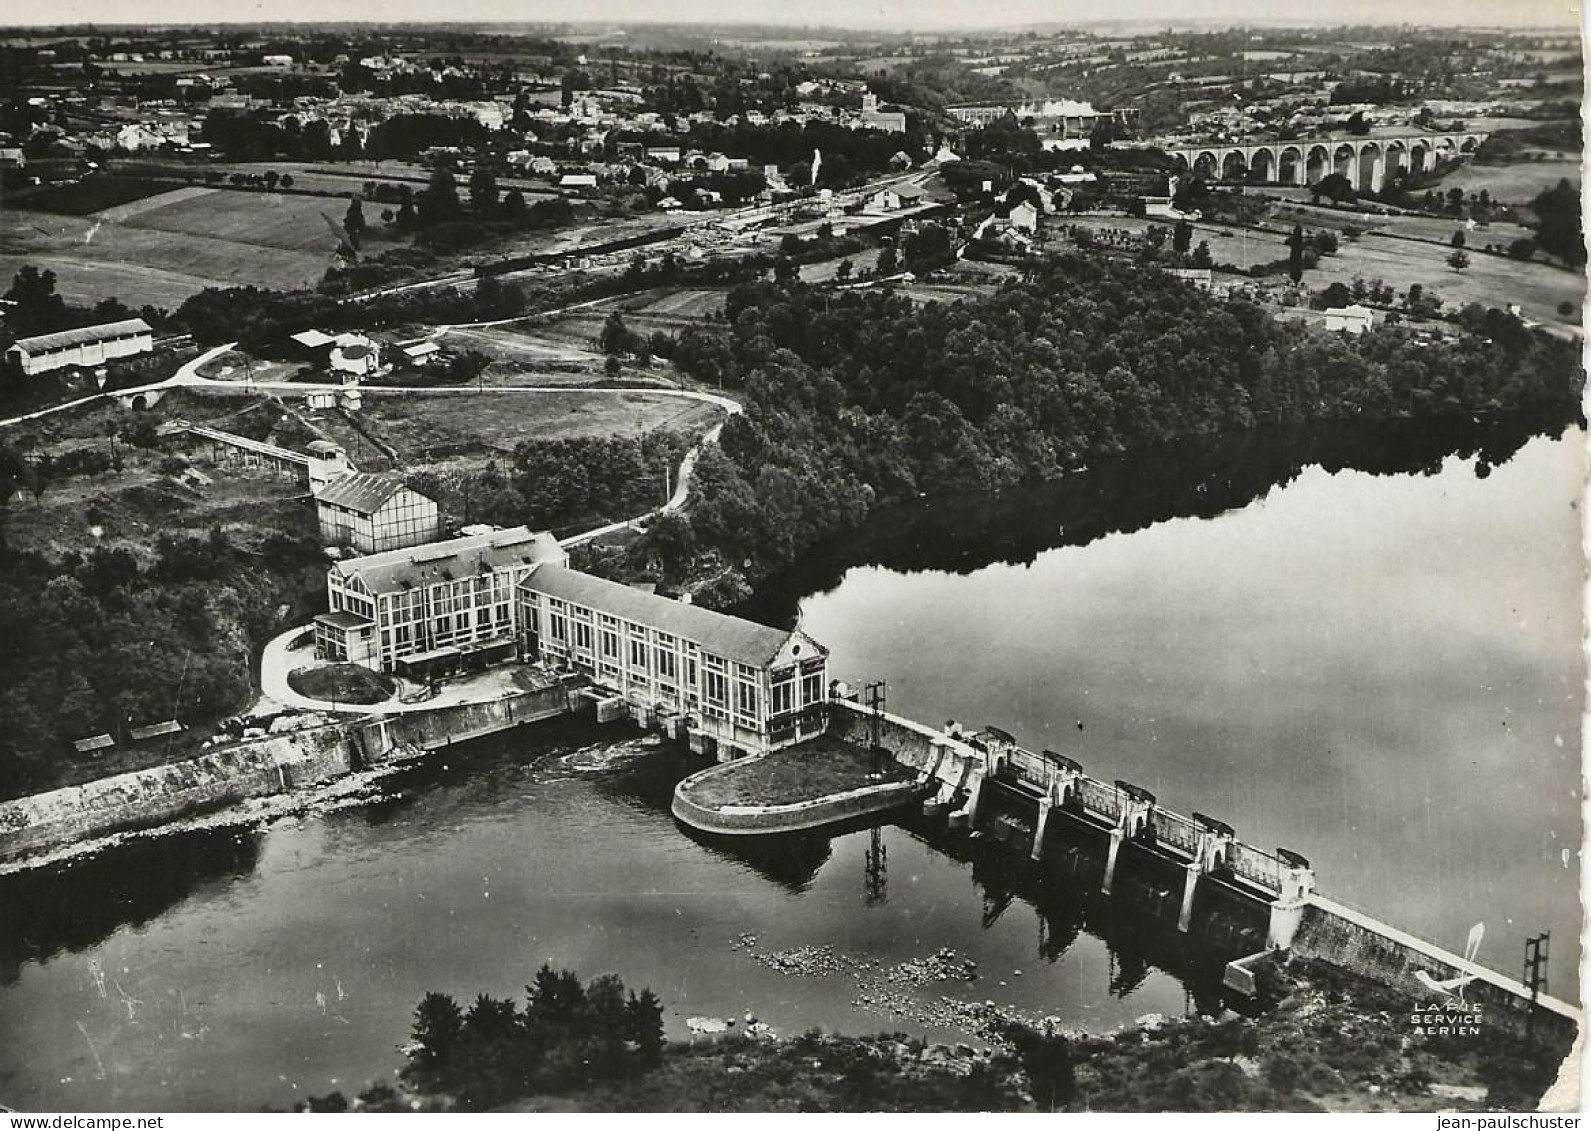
854	399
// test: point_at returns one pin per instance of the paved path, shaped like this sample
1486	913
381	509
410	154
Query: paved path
185	374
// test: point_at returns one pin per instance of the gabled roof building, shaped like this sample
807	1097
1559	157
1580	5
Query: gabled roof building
741	687
425	610
372	512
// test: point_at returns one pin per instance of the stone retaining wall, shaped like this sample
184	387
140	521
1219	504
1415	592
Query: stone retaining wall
260	767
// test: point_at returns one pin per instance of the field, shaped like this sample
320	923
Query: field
1513	184
93	194
471	428
1490	280
164	248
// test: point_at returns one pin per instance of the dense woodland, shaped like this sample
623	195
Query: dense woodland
101	642
857	399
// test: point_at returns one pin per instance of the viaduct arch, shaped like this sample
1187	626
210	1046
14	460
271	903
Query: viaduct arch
1367	162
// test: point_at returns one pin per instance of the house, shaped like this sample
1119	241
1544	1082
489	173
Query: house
12	157
430	609
894	198
739	686
355	356
578	181
1024	217
421	353
276	60
82	347
374	512
1353	319
136	136
1200	277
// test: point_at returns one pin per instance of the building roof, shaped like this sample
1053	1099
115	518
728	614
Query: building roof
156	730
44	343
96	742
734	638
393	571
364	492
342	620
313	339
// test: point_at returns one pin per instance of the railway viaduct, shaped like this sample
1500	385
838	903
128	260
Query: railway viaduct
1367	162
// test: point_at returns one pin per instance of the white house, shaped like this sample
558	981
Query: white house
1353	319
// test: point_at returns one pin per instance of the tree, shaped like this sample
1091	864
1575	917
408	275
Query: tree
440	200
1458	239
483	190
1335	187
615	337
1182	237
1459	260
1295	254
1558	223
514	204
888	262
1201	255
354	222
438	1021
36	308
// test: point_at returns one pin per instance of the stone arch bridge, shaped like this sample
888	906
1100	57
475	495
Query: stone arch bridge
1367	162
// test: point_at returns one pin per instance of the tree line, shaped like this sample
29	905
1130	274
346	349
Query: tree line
856	399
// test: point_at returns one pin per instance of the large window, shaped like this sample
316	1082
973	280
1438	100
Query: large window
715	688
784	691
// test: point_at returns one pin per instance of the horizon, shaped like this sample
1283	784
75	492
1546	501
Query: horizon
882	16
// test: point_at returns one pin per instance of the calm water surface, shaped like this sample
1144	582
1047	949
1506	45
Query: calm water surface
1382	672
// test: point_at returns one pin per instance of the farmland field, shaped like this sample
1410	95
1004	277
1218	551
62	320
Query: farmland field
166	248
1514	184
471	428
292	223
1538	288
91	194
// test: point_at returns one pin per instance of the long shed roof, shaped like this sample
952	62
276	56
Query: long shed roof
734	638
44	343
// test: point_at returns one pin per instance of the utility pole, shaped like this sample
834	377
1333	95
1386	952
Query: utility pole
1535	978
873	700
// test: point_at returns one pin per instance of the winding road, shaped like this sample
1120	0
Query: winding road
188	376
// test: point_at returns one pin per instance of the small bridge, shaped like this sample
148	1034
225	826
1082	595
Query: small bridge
322	464
1367	162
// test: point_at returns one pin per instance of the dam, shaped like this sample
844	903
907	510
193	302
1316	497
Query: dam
1191	875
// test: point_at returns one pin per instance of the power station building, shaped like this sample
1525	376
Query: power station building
741	687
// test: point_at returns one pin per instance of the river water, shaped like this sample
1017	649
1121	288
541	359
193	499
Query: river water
1379	671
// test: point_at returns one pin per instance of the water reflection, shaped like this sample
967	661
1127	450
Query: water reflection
73	906
1194	478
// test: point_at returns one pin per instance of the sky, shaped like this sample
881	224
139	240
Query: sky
891	14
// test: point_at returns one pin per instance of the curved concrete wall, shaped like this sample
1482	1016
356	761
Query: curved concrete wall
764	820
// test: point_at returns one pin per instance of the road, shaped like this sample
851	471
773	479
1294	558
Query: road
188	376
